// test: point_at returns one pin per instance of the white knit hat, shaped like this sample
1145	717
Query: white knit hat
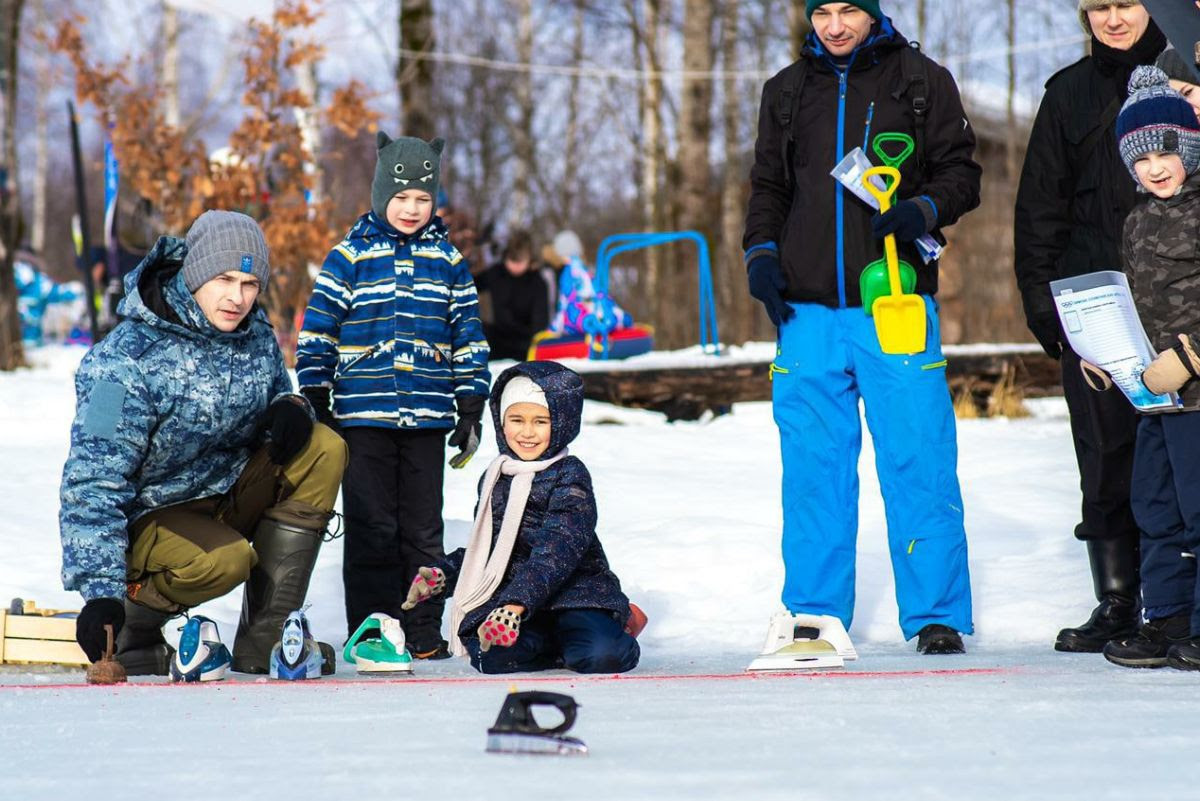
521	389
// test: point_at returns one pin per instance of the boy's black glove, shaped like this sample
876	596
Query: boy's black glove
321	399
289	427
469	429
907	220
767	284
89	626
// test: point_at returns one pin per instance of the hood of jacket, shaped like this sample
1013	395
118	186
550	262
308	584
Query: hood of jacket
564	395
155	294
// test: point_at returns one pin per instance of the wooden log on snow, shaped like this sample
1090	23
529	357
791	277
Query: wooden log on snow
686	393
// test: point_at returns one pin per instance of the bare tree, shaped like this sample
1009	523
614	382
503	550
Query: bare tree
566	198
732	297
695	164
653	155
522	126
170	63
414	76
12	355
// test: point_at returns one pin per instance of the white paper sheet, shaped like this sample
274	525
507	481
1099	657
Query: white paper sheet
1103	327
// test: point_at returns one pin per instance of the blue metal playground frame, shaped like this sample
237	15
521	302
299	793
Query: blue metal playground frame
623	243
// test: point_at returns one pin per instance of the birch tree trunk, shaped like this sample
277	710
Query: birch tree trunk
12	355
695	169
414	76
523	147
310	128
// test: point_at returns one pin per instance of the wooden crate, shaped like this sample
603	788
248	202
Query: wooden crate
39	639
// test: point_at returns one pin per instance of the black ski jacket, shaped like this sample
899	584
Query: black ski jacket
1071	205
823	232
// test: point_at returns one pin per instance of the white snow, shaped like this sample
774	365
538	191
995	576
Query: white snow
689	516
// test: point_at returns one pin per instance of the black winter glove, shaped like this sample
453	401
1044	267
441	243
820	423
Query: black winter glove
89	626
468	431
321	399
289	426
906	220
767	284
1048	334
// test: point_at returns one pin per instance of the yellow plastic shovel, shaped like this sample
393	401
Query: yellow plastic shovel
899	318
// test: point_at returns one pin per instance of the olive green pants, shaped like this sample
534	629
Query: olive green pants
189	553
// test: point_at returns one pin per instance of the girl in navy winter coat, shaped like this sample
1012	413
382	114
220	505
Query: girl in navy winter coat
532	589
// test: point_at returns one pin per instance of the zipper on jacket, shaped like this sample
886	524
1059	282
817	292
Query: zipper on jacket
867	129
840	197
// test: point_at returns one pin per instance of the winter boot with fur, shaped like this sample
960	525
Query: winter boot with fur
1115	568
287	541
141	648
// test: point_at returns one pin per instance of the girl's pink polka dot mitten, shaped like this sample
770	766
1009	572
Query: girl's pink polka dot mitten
501	627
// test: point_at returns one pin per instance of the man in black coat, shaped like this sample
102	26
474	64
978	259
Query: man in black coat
1071	205
807	241
517	294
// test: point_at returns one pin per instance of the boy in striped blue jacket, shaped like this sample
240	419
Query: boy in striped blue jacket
391	347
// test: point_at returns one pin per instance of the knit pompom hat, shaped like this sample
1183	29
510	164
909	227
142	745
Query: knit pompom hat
1157	118
1088	5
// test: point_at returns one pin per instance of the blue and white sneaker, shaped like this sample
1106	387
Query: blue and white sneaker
201	655
297	655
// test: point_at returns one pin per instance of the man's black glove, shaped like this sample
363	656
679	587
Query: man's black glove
1048	333
321	399
89	626
469	429
767	284
908	220
289	426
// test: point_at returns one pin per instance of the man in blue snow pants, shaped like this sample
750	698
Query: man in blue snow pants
807	241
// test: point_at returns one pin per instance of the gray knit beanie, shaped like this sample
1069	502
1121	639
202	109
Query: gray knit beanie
223	241
404	163
1175	66
1156	118
1087	5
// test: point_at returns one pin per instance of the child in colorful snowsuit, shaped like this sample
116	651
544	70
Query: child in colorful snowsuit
533	589
392	337
1159	139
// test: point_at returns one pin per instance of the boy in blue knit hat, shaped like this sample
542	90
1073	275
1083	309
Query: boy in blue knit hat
392	353
1159	140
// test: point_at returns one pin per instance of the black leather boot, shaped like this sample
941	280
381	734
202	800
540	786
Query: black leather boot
141	648
1152	644
287	552
1115	572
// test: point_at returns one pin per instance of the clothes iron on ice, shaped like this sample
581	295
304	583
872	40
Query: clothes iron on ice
298	655
377	647
516	730
201	655
804	642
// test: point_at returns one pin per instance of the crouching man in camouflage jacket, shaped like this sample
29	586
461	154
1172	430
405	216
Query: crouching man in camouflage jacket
193	465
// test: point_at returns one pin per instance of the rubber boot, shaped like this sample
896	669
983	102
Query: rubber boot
1115	572
287	552
141	648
